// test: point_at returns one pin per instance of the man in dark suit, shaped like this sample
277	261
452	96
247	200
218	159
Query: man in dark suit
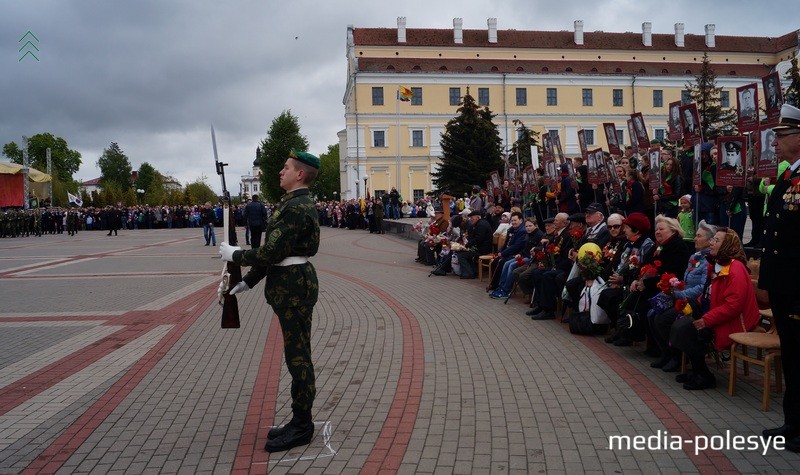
779	264
254	215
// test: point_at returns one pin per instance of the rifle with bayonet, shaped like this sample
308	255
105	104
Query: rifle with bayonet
231	273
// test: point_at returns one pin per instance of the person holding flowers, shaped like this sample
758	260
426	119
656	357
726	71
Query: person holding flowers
669	257
637	251
680	294
728	305
533	236
549	280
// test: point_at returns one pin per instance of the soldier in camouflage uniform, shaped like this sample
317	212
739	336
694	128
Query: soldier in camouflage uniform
292	236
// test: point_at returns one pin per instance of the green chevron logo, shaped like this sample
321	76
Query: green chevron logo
28	46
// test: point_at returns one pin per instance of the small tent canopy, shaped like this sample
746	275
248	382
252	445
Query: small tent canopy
11	186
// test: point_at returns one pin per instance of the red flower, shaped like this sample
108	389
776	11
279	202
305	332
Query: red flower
664	284
657	263
576	233
648	270
680	304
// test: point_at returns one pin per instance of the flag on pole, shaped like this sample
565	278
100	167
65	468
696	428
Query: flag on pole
404	94
74	200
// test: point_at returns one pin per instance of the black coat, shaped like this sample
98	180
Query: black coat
254	214
781	257
481	237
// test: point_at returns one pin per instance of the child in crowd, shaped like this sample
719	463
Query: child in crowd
685	217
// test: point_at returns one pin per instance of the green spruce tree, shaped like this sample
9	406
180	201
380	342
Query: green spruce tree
521	150
715	120
284	134
471	150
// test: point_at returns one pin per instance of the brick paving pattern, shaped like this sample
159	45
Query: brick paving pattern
113	362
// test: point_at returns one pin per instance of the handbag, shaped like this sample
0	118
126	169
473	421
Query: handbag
580	323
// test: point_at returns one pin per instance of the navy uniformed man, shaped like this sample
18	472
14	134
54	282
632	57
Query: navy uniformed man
292	236
779	263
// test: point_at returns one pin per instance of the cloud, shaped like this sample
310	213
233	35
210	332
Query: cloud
152	75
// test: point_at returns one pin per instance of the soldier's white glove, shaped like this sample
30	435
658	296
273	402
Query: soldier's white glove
239	288
226	251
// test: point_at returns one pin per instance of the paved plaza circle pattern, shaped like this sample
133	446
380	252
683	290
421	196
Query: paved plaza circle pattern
113	361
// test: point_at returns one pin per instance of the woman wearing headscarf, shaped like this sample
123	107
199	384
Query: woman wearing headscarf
727	305
694	281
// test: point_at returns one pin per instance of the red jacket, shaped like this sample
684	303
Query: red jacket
733	304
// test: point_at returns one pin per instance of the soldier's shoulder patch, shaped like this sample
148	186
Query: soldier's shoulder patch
276	214
274	235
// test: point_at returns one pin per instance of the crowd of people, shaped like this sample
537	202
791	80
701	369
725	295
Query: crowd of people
664	266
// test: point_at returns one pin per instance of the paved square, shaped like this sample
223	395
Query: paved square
113	361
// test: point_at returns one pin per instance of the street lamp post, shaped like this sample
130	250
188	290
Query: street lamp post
334	195
140	192
366	193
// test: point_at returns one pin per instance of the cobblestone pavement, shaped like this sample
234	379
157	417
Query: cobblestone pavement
113	361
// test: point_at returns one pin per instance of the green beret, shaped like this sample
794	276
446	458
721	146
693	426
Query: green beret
305	157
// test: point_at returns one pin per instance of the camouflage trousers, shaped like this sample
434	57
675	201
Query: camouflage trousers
296	326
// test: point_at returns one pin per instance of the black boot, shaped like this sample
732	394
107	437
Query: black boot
298	432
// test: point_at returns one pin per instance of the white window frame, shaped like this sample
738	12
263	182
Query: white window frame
385	131
411	131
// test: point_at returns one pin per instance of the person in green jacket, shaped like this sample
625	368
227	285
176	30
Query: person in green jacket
292	236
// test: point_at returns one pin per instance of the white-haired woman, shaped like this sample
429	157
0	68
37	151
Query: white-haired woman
694	280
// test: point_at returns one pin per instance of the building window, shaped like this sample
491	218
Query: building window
455	96
725	99
522	96
246	189
659	134
255	187
617	97
552	96
416	138
686	97
419	194
377	96
658	98
379	194
588	134
483	96
620	136
378	138
587	98
416	98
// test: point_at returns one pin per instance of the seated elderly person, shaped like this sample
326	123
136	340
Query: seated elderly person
430	244
549	278
533	236
474	241
669	257
638	250
596	231
689	289
727	305
513	245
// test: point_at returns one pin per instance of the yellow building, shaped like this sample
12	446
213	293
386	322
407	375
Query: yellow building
550	80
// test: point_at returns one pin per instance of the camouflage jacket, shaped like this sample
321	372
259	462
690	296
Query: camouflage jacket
292	230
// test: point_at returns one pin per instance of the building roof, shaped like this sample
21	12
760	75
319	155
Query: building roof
442	38
440	65
92	182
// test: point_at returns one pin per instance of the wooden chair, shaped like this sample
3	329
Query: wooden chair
768	351
485	261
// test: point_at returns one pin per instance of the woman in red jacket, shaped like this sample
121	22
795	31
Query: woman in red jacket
728	305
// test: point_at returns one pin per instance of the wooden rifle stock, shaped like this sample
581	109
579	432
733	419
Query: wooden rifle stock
230	306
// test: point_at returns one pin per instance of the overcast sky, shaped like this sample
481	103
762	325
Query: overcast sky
152	75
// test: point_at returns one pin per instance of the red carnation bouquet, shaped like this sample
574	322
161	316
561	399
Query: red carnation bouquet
552	251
